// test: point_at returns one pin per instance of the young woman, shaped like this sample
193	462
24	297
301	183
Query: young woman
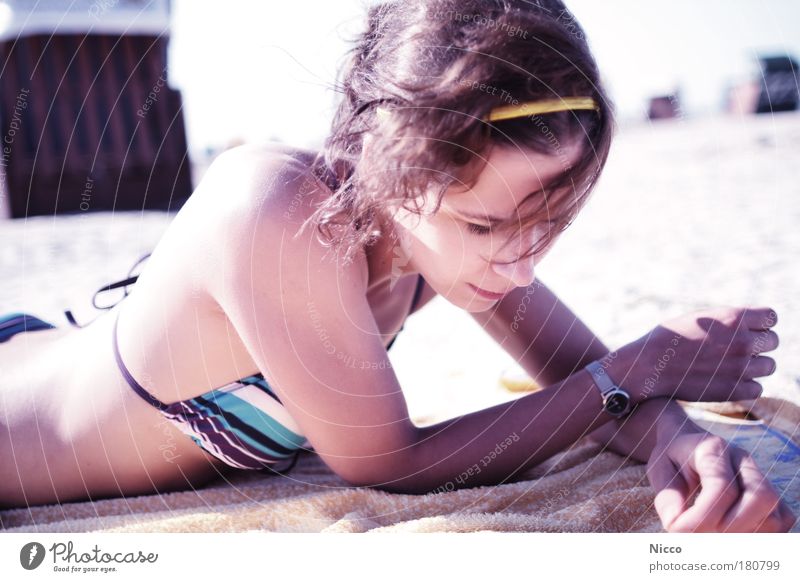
468	137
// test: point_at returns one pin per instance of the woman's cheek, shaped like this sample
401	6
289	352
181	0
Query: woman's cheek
432	233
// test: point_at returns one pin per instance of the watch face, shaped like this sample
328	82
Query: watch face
617	402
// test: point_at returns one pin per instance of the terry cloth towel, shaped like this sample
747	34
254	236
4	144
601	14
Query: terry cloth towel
580	489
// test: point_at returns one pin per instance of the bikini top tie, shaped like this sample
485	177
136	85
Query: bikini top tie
123	283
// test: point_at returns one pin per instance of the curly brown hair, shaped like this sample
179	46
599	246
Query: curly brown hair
439	67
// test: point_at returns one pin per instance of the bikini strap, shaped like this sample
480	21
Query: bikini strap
414	301
138	388
417	293
124	283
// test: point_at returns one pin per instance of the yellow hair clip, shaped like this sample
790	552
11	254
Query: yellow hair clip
528	108
541	107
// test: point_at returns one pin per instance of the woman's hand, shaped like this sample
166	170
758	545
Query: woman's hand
709	355
734	496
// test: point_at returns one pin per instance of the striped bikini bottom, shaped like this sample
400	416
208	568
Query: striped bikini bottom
242	423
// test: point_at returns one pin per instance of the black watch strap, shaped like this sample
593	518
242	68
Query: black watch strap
610	392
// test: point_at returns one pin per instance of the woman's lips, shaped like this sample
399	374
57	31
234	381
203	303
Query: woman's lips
486	294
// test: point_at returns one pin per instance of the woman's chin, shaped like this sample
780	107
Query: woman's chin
479	305
463	297
472	303
474	307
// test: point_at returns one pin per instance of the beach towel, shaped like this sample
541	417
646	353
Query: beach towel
581	489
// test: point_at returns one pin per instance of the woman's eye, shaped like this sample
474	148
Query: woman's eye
478	229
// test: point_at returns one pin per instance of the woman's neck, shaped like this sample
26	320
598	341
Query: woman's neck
388	259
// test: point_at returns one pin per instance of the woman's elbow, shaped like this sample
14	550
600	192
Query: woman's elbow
391	477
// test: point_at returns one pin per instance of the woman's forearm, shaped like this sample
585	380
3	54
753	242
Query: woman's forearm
493	445
552	342
635	436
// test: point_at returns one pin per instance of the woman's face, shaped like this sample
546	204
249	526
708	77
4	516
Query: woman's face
456	250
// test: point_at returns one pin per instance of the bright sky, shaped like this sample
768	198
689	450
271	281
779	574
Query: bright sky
257	70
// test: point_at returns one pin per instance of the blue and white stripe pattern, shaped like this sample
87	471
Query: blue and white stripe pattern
243	423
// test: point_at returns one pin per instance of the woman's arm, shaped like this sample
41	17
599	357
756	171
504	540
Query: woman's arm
541	333
550	342
303	314
635	436
494	445
682	459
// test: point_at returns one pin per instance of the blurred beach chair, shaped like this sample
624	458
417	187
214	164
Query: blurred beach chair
88	119
773	89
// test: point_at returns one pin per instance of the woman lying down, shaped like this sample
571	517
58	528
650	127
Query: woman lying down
259	326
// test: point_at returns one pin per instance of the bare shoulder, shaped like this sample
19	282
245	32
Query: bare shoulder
249	176
262	197
251	201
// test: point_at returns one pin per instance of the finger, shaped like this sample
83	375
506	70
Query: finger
759	341
719	490
758	504
746	390
760	318
672	492
691	478
760	366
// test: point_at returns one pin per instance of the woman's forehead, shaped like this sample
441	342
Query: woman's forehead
509	177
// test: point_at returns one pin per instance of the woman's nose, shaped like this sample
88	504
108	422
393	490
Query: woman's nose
520	272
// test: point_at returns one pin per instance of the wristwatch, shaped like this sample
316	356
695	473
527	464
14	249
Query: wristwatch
616	401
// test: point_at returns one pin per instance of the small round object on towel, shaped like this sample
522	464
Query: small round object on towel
516	379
